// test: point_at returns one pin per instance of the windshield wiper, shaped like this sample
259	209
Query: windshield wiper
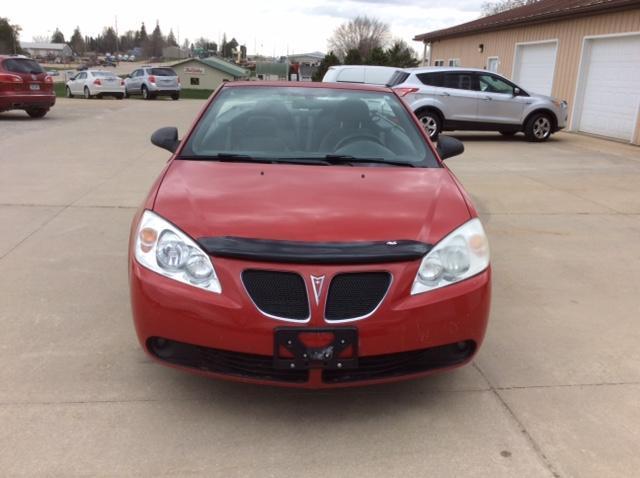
348	159
245	158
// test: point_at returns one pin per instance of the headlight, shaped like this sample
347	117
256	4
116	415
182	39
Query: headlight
165	249
462	254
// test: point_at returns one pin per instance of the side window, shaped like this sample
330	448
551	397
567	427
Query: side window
431	79
351	75
493	84
458	81
82	76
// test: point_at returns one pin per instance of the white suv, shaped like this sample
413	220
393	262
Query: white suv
447	98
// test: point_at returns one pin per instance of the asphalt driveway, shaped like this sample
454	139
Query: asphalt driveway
555	390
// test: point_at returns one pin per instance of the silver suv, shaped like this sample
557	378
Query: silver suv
151	82
446	99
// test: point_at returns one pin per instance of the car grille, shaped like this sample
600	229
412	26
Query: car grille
278	294
221	361
405	363
356	295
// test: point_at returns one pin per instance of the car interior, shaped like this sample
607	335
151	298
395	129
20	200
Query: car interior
304	127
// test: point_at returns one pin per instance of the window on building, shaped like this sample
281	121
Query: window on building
454	61
194	81
438	63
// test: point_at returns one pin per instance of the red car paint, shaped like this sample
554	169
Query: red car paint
20	90
309	204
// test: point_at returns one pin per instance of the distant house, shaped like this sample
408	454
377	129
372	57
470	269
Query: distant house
313	58
584	51
47	50
207	73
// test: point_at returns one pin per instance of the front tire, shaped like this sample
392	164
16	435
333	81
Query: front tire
120	96
37	113
431	123
175	96
87	93
538	128
145	93
68	92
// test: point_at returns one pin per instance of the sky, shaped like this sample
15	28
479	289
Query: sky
266	27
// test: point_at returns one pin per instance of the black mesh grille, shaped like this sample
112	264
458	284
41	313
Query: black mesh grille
356	294
222	361
404	363
281	294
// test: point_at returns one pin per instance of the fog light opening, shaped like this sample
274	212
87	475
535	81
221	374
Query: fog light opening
163	348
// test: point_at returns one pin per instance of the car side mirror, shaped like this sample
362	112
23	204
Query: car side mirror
517	91
166	138
448	147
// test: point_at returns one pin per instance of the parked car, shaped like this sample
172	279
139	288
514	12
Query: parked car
132	58
95	83
151	82
308	235
24	85
371	75
449	98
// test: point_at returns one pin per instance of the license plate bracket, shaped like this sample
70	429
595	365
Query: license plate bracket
34	86
340	353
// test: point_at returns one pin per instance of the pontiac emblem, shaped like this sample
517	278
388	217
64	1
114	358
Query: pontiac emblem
317	282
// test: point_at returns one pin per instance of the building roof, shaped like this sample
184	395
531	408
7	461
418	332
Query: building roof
314	54
218	64
537	12
43	46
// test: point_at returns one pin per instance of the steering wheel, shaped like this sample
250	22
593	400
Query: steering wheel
358	137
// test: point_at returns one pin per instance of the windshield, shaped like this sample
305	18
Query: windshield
163	72
103	74
309	123
23	65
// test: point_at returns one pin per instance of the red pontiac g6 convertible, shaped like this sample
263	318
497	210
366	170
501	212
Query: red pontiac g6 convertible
308	236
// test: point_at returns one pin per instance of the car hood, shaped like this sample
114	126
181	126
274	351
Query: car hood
310	203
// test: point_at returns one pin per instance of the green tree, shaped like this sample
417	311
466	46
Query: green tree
329	60
9	37
109	41
171	39
156	42
140	38
377	56
353	57
57	37
228	48
77	43
401	55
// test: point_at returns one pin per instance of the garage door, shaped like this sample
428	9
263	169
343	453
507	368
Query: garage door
610	87
534	67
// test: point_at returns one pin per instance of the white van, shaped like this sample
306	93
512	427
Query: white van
371	75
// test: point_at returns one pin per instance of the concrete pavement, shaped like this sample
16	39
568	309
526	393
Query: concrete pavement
555	390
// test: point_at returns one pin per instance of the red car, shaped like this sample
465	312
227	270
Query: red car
24	85
308	236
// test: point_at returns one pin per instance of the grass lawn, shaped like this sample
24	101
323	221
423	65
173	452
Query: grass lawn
187	94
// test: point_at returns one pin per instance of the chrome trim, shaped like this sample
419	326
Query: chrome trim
341	321
275	317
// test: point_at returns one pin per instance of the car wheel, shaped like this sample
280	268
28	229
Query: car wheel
508	133
175	96
87	93
37	113
127	95
538	128
120	96
145	93
68	92
431	123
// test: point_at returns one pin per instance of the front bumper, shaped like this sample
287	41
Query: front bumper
224	335
20	100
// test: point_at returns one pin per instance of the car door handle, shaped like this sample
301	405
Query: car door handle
487	98
444	93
